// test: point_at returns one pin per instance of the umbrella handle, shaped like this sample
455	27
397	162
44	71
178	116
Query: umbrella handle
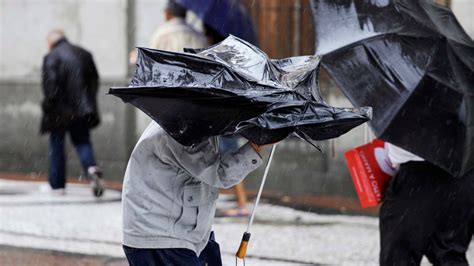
243	246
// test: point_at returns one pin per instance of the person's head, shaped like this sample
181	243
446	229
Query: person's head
54	36
173	10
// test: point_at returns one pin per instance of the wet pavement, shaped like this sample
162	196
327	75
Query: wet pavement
77	229
26	256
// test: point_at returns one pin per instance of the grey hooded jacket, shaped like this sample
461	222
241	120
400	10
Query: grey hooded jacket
170	190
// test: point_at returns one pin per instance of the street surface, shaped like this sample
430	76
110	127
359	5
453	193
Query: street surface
38	228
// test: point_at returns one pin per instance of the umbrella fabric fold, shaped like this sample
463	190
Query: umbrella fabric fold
413	63
233	88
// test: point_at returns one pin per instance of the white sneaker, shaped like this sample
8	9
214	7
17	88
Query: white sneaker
97	184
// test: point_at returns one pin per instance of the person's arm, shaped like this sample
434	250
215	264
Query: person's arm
93	76
50	82
205	163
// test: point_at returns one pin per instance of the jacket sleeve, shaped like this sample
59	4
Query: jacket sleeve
93	75
50	82
203	162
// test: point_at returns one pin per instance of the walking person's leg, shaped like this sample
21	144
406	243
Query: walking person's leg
241	200
408	214
80	137
450	242
241	196
57	160
86	156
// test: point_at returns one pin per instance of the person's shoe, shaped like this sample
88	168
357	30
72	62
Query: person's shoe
234	212
97	184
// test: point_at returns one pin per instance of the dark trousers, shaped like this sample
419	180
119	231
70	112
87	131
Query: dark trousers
426	212
79	133
210	256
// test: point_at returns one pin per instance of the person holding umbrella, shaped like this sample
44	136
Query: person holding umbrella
173	175
414	64
169	196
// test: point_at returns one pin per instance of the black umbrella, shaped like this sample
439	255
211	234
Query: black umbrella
413	63
233	88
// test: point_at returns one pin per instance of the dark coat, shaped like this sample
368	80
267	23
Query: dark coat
70	83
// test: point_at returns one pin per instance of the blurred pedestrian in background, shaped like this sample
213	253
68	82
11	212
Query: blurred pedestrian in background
70	82
174	36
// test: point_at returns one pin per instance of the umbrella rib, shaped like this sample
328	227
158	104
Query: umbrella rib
351	99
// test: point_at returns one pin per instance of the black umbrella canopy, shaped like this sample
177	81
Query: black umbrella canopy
413	63
233	88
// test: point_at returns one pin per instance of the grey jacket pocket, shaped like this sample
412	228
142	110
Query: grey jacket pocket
196	214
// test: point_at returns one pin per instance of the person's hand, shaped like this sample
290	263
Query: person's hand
259	148
256	147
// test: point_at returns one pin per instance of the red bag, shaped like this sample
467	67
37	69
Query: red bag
371	170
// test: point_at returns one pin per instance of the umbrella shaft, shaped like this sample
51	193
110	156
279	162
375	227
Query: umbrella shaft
261	187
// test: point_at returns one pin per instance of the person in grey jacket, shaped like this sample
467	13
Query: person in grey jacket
169	196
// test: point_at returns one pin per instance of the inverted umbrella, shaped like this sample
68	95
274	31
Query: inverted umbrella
413	63
233	88
225	16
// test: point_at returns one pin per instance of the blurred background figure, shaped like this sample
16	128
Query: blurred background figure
70	82
174	35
